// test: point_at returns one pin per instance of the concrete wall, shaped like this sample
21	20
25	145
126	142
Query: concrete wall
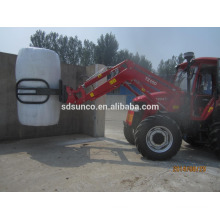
112	99
94	125
70	122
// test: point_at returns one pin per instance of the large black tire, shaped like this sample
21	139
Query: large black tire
129	133
191	142
158	137
214	135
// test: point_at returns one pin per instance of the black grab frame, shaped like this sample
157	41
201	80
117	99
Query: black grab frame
47	91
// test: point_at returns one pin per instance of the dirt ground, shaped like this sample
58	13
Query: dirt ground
81	163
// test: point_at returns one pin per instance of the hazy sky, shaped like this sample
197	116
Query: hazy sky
154	43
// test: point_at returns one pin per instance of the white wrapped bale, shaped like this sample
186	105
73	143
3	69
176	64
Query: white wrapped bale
43	64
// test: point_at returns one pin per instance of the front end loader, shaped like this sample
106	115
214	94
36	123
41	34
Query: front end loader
189	107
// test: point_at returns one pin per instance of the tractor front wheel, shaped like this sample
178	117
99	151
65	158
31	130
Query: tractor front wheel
158	137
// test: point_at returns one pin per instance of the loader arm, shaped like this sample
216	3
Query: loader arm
124	74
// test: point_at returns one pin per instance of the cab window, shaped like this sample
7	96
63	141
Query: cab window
181	78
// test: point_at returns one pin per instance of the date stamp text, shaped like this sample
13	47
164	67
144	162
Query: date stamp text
189	169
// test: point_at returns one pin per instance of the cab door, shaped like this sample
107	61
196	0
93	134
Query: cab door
203	92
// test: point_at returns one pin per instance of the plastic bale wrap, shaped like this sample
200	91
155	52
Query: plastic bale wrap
43	64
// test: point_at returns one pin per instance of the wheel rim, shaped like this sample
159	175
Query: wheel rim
159	139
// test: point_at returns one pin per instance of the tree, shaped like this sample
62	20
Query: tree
142	61
180	59
126	55
167	69
51	41
62	48
136	58
106	49
122	55
68	49
88	53
38	39
71	51
74	50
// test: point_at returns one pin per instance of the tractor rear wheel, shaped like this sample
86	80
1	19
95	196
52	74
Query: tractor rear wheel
189	140
214	135
215	139
158	137
129	133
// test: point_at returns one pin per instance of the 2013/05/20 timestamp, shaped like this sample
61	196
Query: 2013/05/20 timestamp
189	168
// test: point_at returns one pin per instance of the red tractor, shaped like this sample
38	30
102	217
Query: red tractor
191	113
189	107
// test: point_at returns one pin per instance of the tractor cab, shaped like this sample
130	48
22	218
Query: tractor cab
200	76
